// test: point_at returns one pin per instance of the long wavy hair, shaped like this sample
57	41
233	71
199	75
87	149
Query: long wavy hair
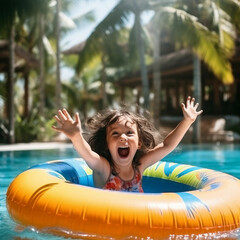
149	137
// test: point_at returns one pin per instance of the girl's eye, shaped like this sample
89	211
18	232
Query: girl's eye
114	133
130	133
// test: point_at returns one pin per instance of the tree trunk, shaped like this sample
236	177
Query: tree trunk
26	93
58	74
156	73
104	94
198	95
143	68
11	108
41	66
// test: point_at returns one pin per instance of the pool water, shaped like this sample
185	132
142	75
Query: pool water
225	158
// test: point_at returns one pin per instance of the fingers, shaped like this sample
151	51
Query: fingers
66	114
183	105
57	129
188	101
199	112
191	103
77	119
196	106
57	119
65	122
61	115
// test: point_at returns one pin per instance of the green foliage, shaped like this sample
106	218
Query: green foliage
102	35
207	27
10	9
3	92
232	7
3	131
187	29
34	128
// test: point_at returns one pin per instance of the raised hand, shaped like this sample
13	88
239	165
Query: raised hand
190	109
68	126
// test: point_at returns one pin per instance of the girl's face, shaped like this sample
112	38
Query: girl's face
123	141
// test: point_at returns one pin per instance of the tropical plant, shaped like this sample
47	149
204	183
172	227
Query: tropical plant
193	25
105	34
31	31
10	12
35	127
215	47
58	75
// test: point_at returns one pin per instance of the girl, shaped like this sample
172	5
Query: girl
122	144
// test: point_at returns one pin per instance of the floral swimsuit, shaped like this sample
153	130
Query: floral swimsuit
114	182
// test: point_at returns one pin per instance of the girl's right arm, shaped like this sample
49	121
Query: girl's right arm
72	129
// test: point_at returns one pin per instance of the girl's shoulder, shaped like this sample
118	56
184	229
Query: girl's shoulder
152	156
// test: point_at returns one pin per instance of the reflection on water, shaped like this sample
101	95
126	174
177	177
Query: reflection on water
231	235
225	158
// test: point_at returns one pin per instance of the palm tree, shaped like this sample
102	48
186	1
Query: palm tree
58	85
41	65
156	69
62	22
137	7
190	27
224	28
10	85
114	21
9	12
182	23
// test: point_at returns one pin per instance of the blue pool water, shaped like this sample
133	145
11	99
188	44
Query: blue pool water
225	158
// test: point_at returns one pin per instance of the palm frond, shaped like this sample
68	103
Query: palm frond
204	43
101	34
22	9
86	17
232	8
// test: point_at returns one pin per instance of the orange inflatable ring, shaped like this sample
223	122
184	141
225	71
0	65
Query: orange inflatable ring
192	200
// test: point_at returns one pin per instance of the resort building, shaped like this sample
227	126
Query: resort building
177	82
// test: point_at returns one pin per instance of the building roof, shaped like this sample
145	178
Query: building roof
76	49
22	57
172	64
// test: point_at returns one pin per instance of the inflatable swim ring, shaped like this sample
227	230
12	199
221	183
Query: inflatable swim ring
59	197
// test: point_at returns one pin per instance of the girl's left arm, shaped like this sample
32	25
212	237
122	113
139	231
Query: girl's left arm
171	141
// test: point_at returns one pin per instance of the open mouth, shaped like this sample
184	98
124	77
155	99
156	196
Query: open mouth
123	151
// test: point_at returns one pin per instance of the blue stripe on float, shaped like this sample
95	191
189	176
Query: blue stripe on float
169	169
71	169
66	170
214	186
191	169
80	165
192	203
158	165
